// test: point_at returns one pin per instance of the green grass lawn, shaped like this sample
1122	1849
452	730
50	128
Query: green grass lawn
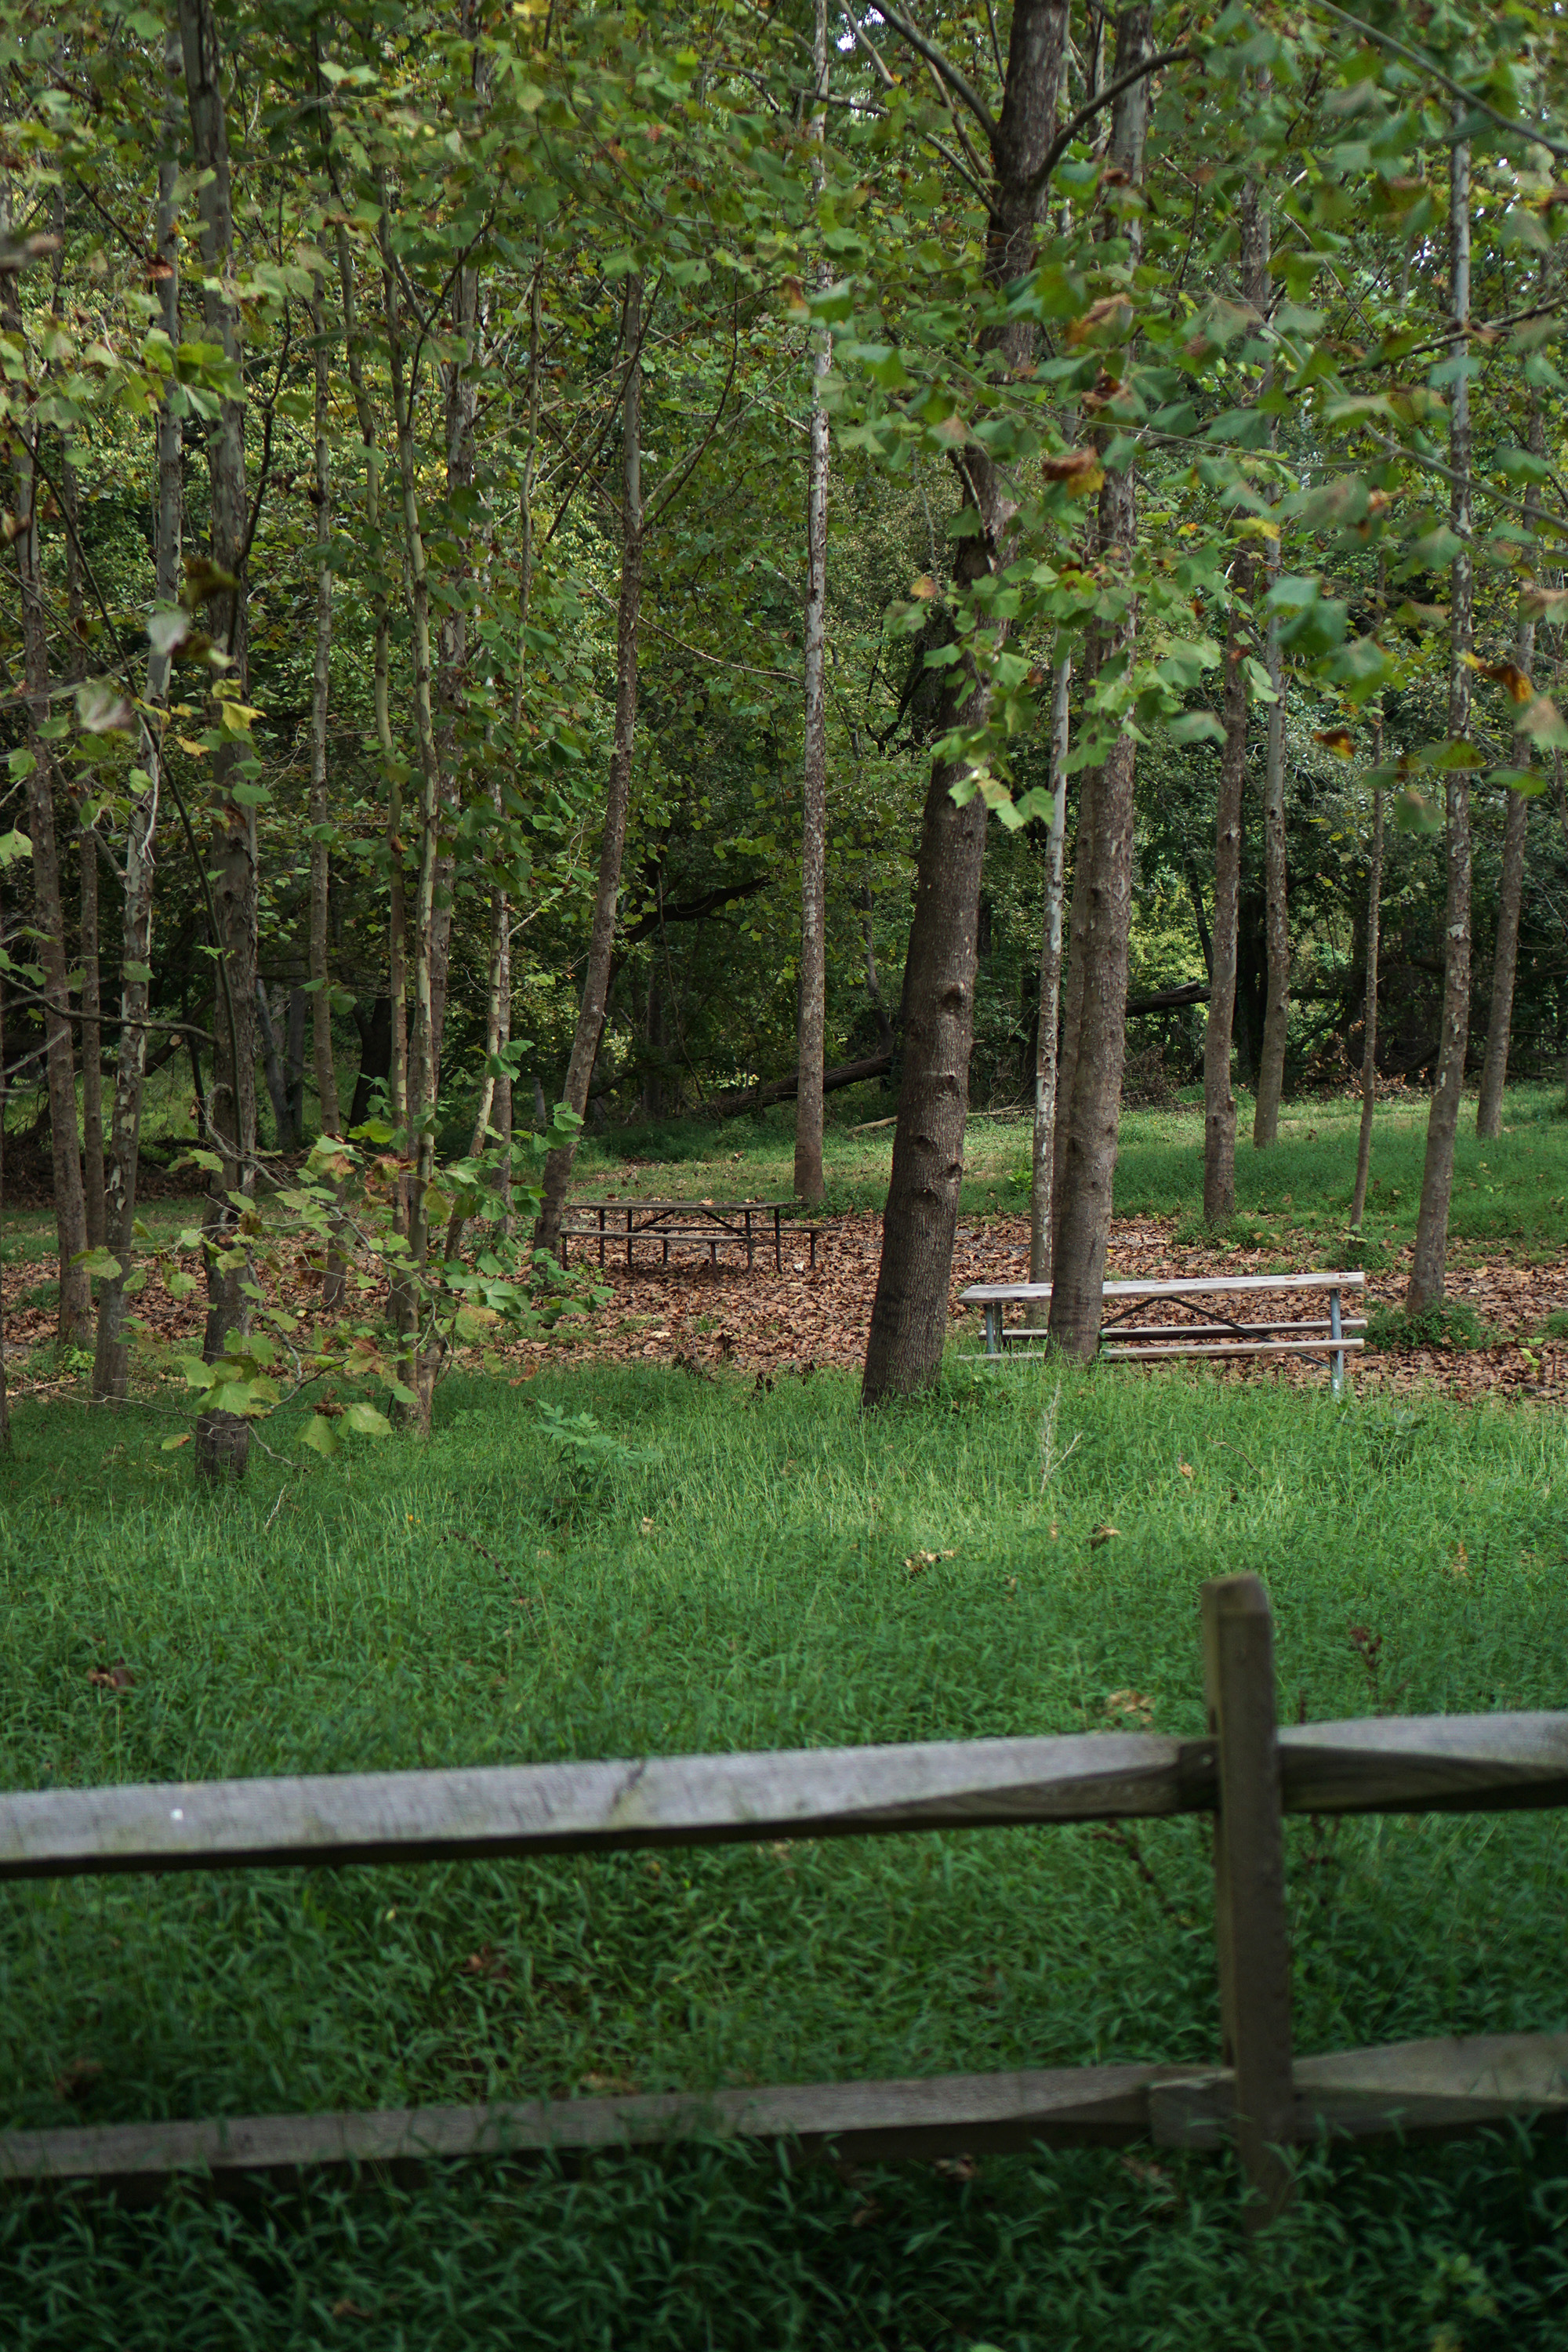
344	1617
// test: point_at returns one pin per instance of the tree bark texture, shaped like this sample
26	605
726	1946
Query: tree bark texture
87	852
1429	1262
1094	1107
274	1071
452	641
1369	1032
111	1358
1219	1103
1254	288
91	1043
396	1070
417	1374
809	1184
612	840
74	1319
909	1316
1511	889
223	1439
1042	1171
320	692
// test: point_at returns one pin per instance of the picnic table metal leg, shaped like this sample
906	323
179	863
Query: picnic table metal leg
748	1216
814	1249
778	1241
1337	1361
601	1237
994	1329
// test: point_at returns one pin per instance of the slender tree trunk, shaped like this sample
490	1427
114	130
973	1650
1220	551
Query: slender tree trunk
4	1395
1219	1103
223	1439
452	641
612	845
1429	1263
381	613
422	1072
274	1071
909	1316
87	852
1369	1035
1494	1069
1043	1160
1094	1108
91	1043
1255	239
1277	1018
111	1365
1076	937
808	1178
320	846
70	1212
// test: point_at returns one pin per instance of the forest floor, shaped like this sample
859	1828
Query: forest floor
1505	1334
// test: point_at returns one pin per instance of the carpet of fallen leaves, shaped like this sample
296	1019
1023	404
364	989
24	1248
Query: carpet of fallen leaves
771	1324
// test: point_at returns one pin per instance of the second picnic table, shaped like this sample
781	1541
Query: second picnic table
718	1224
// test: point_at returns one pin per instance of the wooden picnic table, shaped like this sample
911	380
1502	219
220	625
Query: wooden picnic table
717	1224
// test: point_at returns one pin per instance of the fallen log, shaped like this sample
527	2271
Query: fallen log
843	1074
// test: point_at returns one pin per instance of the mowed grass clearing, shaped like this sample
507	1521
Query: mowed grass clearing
482	1600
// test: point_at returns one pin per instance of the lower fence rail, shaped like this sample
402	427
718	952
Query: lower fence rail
1245	1771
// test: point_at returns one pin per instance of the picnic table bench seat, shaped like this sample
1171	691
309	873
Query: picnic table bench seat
714	1225
1213	1332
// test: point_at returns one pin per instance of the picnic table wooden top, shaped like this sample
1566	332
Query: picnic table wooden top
674	1208
992	1294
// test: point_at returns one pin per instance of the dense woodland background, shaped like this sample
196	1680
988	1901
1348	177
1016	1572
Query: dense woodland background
497	499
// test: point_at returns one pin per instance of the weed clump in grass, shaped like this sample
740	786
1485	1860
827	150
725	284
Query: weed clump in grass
1452	1324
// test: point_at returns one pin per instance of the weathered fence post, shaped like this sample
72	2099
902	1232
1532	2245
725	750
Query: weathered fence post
1249	1884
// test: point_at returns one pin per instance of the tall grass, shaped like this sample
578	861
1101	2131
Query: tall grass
745	1571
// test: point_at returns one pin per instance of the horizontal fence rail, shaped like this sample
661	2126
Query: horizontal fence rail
1382	1764
1245	1772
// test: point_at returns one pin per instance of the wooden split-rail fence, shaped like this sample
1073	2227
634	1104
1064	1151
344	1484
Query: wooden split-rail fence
1247	1772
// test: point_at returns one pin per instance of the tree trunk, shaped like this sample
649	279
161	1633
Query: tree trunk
1255	286
87	852
223	1439
1042	1172
809	1184
91	1044
612	845
452	644
273	1070
4	1395
1494	1069
909	1316
417	1374
1094	1108
1428	1265
1369	1034
320	845
75	1311
395	1070
1219	1103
